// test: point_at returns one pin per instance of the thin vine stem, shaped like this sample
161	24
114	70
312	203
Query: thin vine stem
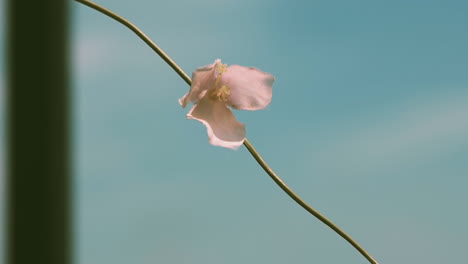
142	36
247	143
304	205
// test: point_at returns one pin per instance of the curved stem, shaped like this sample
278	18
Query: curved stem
247	143
142	35
304	205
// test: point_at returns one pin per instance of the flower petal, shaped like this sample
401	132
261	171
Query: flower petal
203	79
251	89
222	127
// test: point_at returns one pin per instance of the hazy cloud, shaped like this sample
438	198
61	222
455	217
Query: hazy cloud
417	132
92	53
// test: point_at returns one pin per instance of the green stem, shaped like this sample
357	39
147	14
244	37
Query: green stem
142	35
247	143
304	205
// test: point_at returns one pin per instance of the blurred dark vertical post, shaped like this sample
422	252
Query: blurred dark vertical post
38	194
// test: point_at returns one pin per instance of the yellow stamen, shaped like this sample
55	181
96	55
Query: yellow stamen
220	69
222	93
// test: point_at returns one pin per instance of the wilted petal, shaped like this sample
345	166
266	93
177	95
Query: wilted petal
222	127
203	79
251	89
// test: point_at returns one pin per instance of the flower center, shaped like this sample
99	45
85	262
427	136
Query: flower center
219	69
222	93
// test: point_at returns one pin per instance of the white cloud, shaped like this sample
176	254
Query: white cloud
418	132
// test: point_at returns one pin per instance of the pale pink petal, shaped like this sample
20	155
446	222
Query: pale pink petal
222	127
251	89
203	79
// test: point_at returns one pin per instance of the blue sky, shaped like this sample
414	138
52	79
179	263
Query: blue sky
368	123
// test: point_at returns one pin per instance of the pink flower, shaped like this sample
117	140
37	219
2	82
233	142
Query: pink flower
215	88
